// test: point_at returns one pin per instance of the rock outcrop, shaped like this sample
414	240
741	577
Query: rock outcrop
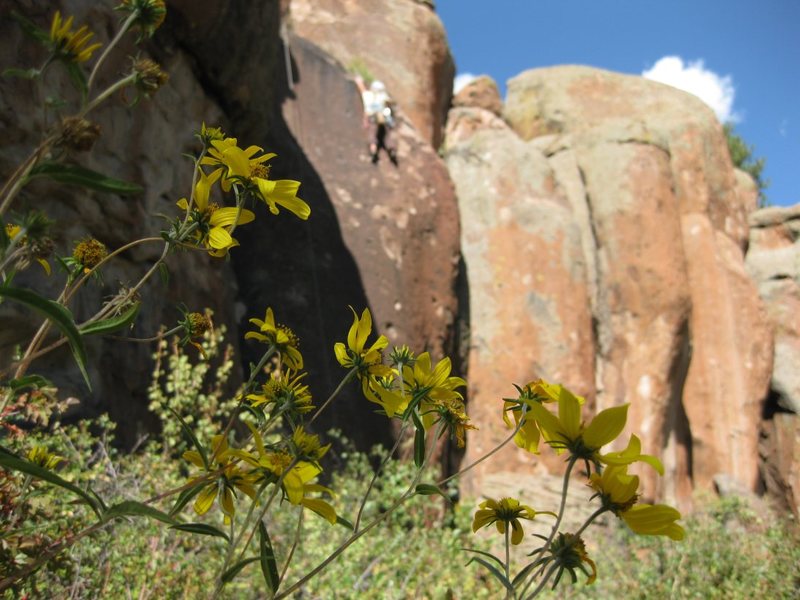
657	310
401	43
380	236
773	260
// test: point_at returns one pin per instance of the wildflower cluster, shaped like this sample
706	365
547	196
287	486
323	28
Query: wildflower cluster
617	491
411	389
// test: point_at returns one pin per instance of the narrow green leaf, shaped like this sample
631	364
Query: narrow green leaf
131	508
163	271
112	324
345	523
13	463
269	567
78	78
21	73
77	175
419	447
29	28
228	575
494	571
201	529
33	381
522	575
428	489
488	555
59	315
190	434
185	497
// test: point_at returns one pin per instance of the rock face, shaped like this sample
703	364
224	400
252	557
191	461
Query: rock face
142	145
481	92
661	312
773	260
380	235
401	43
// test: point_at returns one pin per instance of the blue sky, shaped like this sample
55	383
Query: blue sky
741	56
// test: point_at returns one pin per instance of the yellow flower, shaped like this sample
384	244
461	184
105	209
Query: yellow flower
368	360
297	474
247	168
280	336
307	445
38	248
567	431
505	512
631	454
40	456
214	223
89	253
150	13
433	389
286	391
223	485
618	492
527	436
68	45
381	391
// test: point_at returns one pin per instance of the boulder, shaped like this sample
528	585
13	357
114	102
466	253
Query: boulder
675	325
481	92
401	43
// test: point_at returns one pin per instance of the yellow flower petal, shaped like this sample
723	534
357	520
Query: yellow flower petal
205	499
606	426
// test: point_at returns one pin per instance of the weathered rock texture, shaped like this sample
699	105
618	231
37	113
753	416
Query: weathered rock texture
773	260
399	42
380	236
655	308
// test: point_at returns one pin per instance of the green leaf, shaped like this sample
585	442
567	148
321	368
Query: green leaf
488	555
78	78
112	324
163	271
131	508
13	463
33	381
345	523
419	448
59	315
185	497
190	434
21	73
228	575
201	529
269	567
494	571
429	489
77	175
522	575
30	29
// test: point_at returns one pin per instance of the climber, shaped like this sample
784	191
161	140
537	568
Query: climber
378	118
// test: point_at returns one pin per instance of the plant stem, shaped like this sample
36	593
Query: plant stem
356	535
125	26
338	389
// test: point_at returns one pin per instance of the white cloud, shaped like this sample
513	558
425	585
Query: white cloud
461	80
783	129
715	90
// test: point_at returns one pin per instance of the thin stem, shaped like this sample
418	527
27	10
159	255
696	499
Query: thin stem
125	26
14	183
591	518
356	535
117	85
492	452
542	583
338	389
378	472
293	548
508	557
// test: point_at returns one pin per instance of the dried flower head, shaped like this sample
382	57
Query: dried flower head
78	134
